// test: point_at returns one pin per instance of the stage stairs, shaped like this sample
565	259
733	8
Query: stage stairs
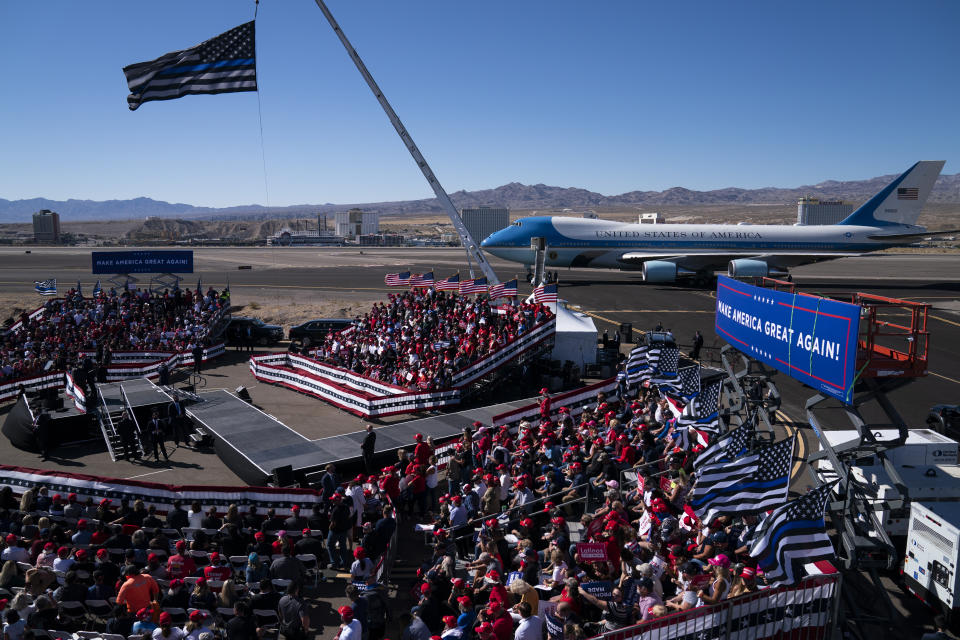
130	395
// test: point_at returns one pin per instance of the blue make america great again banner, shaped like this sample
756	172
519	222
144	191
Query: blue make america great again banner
113	262
809	338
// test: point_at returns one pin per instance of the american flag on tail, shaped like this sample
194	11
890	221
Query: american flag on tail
475	285
448	284
504	290
397	279
791	535
545	293
759	486
46	287
730	447
422	280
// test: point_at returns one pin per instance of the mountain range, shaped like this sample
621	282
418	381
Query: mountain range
513	195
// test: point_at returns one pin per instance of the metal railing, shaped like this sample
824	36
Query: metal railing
528	507
136	423
807	611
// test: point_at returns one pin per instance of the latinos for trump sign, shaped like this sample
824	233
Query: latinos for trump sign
109	262
809	338
592	551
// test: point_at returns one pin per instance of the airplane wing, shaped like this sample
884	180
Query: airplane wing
696	261
906	236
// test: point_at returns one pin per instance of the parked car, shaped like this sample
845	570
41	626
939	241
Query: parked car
314	331
659	339
263	334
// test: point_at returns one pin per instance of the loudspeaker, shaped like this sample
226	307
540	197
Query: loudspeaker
284	476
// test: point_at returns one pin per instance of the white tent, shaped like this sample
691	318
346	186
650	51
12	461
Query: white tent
576	337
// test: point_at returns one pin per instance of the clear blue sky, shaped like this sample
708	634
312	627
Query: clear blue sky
609	96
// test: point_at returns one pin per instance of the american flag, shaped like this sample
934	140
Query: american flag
422	280
224	64
730	447
908	193
46	287
703	411
792	535
766	488
690	380
636	363
397	279
477	285
449	284
545	293
504	290
665	369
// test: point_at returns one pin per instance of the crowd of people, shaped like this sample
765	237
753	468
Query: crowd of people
422	337
522	576
139	320
70	565
503	513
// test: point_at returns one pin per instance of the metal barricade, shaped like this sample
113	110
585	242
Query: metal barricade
807	611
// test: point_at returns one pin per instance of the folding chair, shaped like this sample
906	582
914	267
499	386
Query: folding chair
312	565
99	609
225	613
200	558
239	564
266	618
177	615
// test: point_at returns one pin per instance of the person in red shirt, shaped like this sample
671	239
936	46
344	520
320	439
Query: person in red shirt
502	621
498	593
180	565
218	569
390	483
422	451
544	404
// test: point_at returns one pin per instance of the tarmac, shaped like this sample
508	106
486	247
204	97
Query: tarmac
610	297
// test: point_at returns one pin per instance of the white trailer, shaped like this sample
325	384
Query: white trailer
933	553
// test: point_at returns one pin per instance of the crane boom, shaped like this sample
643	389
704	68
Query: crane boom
469	244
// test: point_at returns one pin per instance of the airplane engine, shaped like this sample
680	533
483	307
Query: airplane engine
746	268
662	271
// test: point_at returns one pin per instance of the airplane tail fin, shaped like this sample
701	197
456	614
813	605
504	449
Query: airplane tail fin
900	201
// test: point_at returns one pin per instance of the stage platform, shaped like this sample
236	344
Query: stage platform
253	444
141	392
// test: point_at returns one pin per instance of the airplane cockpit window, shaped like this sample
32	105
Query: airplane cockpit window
517	223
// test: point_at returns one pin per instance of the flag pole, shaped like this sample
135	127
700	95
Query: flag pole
469	244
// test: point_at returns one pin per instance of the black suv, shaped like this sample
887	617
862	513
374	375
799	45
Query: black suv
659	339
263	334
314	331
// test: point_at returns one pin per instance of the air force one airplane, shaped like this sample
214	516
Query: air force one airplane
672	252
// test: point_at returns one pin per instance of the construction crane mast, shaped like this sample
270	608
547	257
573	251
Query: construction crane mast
469	244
